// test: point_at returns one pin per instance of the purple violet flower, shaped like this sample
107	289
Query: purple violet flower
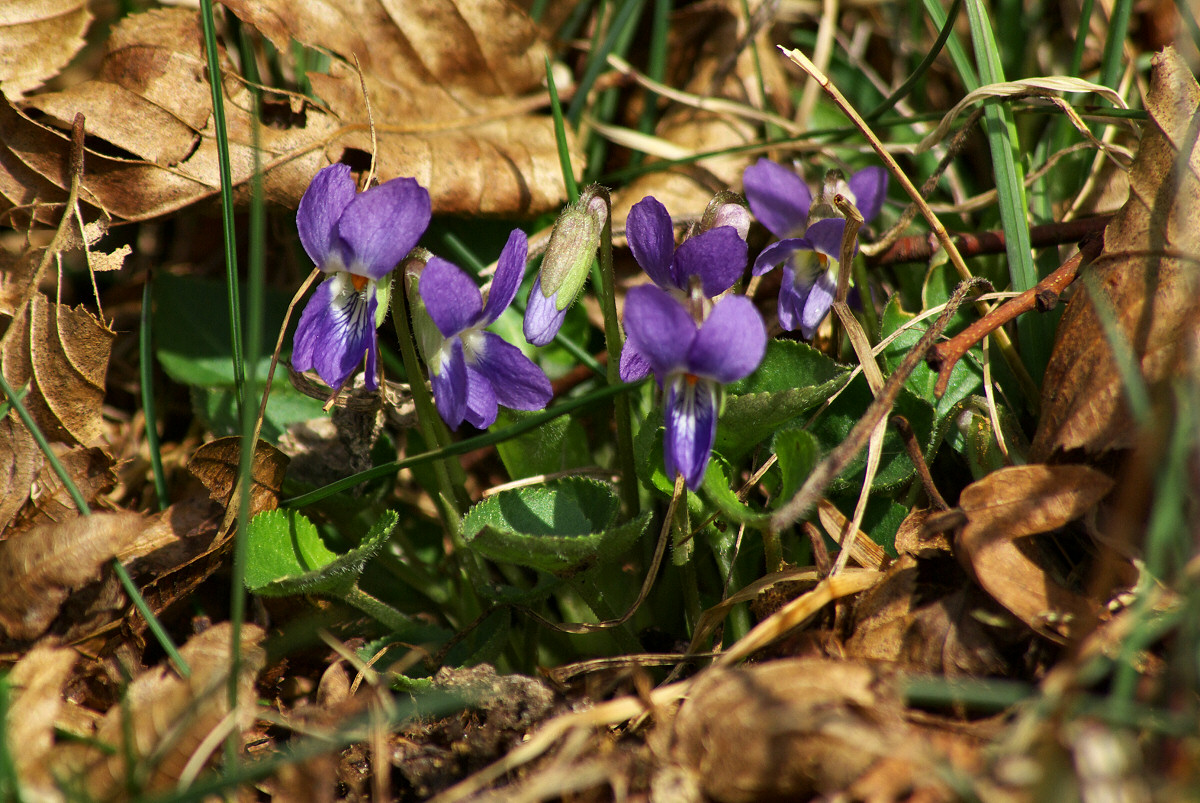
702	267
691	363
784	204
473	371
358	238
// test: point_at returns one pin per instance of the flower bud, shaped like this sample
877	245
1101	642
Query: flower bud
727	209
565	267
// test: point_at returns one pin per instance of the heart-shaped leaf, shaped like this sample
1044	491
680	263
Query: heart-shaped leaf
285	555
561	527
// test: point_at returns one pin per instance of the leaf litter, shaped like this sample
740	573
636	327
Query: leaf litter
816	701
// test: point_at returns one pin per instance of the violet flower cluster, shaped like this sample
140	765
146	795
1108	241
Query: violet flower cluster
686	328
810	234
358	239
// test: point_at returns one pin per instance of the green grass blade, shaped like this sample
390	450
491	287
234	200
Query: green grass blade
1112	62
149	408
958	54
560	138
902	91
656	68
1034	332
222	136
598	58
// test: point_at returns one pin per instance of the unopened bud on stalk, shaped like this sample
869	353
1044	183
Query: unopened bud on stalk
565	266
425	331
727	208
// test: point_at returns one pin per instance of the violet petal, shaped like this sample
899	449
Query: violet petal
481	400
652	239
717	257
543	318
869	186
450	297
775	253
449	383
510	270
659	328
778	197
380	226
816	306
515	380
327	196
691	428
826	236
634	367
731	341
792	295
335	330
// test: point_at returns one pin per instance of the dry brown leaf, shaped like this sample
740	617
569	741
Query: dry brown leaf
1002	509
37	681
39	568
63	353
20	460
1148	271
165	718
216	465
921	616
788	729
37	39
91	470
453	90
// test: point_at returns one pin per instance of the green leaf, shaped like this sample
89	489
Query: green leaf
965	378
797	452
217	409
192	344
285	555
792	379
716	488
557	445
895	469
561	527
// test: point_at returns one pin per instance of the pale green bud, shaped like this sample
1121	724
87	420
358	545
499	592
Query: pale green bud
573	245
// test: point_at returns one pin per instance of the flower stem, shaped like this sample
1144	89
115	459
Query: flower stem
451	497
613	342
376	608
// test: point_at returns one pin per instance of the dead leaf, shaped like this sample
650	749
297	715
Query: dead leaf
39	568
1003	508
20	459
1148	273
165	718
37	39
922	616
91	470
786	730
37	681
453	92
216	465
63	353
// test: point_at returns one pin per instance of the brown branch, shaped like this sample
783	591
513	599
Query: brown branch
921	247
1043	296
